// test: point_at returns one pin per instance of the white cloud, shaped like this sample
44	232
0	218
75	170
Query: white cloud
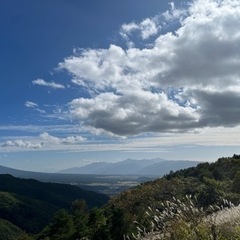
30	104
147	28
19	143
174	14
188	79
34	106
49	139
73	140
128	28
151	26
133	113
42	82
44	141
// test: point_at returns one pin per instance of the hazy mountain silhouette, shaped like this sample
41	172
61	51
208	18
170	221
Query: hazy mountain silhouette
20	173
92	168
156	166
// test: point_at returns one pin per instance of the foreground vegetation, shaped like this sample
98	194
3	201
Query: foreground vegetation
183	220
187	204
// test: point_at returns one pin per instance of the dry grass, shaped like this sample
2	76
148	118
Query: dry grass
183	220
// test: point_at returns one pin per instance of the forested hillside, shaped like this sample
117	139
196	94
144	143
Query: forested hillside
9	231
30	204
208	182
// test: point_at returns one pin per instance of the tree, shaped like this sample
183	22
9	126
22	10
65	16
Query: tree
80	216
98	225
119	224
60	228
236	183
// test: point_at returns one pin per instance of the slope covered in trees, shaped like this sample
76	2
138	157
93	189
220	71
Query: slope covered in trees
208	183
8	231
30	204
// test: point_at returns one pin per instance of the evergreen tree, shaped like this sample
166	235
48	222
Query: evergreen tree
80	216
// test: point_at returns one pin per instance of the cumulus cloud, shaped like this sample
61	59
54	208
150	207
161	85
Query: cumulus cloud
19	143
73	140
42	82
49	138
187	79
56	140
43	141
133	113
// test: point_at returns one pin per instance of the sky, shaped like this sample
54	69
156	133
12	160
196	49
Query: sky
87	81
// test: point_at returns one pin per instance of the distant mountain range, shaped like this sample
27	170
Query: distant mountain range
145	167
157	167
22	173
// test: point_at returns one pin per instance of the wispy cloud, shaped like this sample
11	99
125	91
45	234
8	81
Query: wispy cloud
147	28
150	143
151	26
35	129
30	104
34	106
42	82
188	79
173	14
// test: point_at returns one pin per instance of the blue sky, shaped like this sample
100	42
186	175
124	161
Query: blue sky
86	81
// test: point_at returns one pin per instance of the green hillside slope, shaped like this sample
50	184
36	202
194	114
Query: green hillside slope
8	231
208	183
30	204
